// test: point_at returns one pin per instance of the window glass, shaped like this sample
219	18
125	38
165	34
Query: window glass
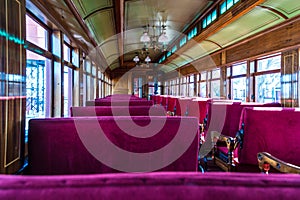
223	7
208	19
191	89
67	90
203	89
229	4
214	15
38	87
174	49
252	68
239	69
56	44
216	73
169	53
67	53
88	66
75	57
267	87
215	89
36	34
182	41
203	76
269	63
238	90
228	71
204	23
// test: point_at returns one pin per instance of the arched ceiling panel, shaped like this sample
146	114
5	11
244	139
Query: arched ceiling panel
287	7
86	7
201	49
102	25
108	49
182	60
114	66
168	67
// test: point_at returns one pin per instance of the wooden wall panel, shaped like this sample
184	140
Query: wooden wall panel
13	85
277	40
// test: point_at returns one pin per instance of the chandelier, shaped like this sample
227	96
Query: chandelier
155	37
143	56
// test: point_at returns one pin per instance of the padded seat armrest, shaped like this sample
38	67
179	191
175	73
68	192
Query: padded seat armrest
265	160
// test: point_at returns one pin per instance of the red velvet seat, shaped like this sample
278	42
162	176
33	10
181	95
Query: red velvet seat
104	144
117	111
272	130
171	104
122	102
199	108
148	186
231	112
182	106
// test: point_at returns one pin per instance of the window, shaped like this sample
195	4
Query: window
162	59
182	41
75	57
215	83
269	63
192	33
202	86
215	89
223	7
209	18
38	91
36	34
215	74
268	88
226	5
55	41
239	88
67	90
267	82
191	87
239	69
169	53
174	49
67	53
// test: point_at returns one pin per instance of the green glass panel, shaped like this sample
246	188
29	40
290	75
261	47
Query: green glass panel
223	7
204	23
214	15
229	4
208	18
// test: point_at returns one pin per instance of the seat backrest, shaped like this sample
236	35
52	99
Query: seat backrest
167	185
122	102
171	104
109	144
273	130
198	108
233	112
182	106
117	111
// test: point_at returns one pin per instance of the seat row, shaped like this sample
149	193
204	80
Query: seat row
110	139
268	135
223	121
157	185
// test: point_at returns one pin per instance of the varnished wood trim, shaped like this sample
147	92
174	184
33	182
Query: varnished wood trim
214	43
96	11
274	11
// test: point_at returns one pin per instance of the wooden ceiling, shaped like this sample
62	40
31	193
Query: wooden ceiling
114	28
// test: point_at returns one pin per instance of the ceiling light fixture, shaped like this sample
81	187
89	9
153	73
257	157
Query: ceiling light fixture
155	37
141	58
